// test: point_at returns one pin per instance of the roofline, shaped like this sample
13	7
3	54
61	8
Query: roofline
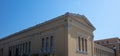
85	18
107	39
43	23
30	28
89	22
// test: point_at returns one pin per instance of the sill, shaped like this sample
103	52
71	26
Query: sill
82	52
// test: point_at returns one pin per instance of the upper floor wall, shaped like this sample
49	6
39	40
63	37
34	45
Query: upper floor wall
80	36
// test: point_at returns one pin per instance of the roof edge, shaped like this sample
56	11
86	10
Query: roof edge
32	27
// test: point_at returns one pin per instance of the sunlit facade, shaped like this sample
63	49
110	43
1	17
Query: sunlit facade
67	35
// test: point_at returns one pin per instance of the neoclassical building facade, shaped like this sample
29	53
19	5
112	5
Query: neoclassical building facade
66	35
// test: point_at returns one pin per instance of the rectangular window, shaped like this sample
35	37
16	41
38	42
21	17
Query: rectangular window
51	44
42	43
86	45
13	50
29	48
9	51
20	49
79	45
23	48
51	41
47	44
119	47
82	44
2	51
26	47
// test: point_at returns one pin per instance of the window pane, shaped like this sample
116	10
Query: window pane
85	44
42	43
82	44
51	42
29	48
79	43
47	44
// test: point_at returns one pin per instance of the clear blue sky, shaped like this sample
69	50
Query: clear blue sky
16	15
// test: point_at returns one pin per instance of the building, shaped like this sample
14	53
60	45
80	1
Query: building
112	43
103	51
66	35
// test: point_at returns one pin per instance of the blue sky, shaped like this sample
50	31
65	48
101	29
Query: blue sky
16	15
